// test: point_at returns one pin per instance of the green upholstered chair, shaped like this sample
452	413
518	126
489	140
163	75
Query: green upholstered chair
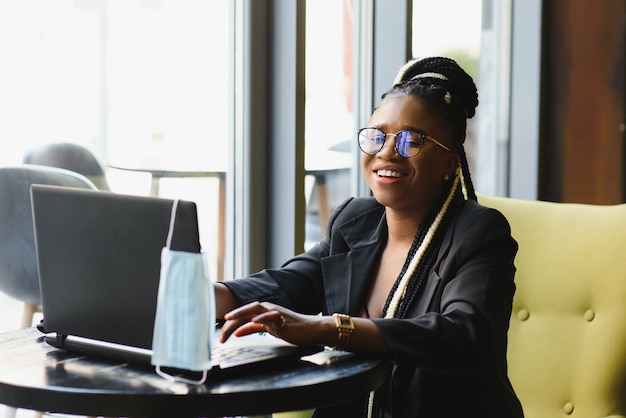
567	335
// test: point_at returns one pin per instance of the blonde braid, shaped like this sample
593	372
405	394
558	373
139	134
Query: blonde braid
417	257
404	282
463	184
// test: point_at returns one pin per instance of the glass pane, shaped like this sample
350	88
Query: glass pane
48	87
167	103
49	75
329	113
438	32
143	84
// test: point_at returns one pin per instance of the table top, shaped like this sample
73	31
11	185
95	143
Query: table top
37	376
319	158
173	172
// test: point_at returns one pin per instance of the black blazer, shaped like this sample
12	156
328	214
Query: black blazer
449	355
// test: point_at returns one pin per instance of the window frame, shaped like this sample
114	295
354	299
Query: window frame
266	170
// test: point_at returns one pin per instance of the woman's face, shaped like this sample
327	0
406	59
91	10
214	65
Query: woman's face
408	184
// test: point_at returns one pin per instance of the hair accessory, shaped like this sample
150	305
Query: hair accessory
448	98
429	75
403	71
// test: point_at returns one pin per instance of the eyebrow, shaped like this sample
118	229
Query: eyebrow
405	128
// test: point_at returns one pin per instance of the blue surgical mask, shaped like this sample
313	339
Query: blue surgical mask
183	326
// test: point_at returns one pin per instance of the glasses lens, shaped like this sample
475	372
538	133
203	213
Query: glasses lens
371	140
409	143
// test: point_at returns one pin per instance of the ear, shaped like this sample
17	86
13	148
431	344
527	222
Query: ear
453	161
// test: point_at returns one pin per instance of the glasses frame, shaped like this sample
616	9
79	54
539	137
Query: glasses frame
422	135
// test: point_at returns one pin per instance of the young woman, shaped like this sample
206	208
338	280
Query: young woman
420	272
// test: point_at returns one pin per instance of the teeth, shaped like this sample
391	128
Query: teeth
388	173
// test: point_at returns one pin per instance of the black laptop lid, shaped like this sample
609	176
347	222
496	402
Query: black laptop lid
99	260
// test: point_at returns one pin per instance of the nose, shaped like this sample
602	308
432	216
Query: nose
389	147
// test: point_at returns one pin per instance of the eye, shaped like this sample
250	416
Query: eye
378	138
374	135
411	138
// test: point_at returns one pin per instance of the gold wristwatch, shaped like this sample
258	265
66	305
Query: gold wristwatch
345	326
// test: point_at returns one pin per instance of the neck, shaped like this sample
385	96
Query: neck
401	226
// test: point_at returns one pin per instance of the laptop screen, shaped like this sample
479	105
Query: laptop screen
99	261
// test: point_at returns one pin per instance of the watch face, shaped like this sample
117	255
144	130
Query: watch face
345	322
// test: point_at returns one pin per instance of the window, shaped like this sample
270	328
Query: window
143	84
329	122
452	28
49	79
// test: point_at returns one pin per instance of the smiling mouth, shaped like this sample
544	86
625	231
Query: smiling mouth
388	173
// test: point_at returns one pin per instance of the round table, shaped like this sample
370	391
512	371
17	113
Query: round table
37	376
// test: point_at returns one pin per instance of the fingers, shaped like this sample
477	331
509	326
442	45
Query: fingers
247	311
249	328
253	317
274	323
234	320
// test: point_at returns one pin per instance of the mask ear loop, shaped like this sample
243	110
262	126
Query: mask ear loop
170	233
158	370
179	379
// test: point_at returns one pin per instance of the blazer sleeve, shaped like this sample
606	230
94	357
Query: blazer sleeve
298	283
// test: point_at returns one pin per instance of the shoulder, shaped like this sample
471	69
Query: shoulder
356	207
356	221
476	224
473	212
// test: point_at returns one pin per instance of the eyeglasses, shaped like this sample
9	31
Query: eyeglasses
406	143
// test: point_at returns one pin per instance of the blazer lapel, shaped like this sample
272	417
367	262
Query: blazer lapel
349	272
434	279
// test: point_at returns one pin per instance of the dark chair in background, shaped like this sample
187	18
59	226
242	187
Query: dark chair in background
18	262
18	265
70	156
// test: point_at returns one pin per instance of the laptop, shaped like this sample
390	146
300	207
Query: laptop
98	256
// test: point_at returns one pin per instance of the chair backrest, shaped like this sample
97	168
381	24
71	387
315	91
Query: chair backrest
18	263
70	156
567	335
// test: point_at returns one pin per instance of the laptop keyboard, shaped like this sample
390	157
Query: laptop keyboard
228	356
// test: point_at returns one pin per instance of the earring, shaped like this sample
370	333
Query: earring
446	177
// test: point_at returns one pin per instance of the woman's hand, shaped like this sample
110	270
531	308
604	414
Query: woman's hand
281	322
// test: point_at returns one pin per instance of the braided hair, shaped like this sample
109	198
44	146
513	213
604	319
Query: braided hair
451	96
